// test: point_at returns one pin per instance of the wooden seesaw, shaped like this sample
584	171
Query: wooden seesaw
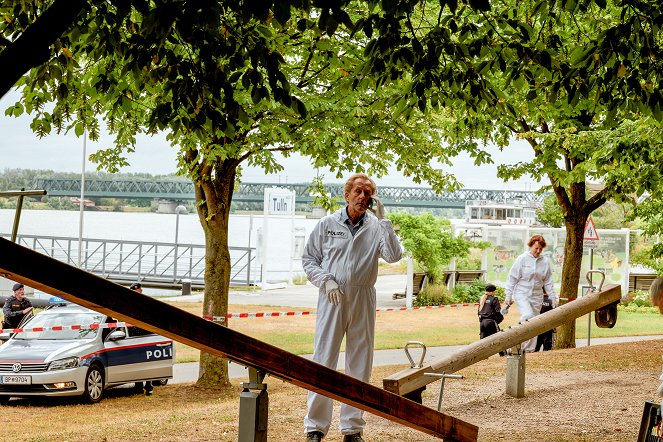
59	279
411	381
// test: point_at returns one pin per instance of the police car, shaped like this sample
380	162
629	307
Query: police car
69	350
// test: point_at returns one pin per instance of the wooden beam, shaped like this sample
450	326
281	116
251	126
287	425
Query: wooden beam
412	379
57	278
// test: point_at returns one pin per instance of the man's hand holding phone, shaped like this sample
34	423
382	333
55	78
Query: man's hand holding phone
376	206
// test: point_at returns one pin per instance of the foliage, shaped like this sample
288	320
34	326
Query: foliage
647	255
432	294
610	215
472	292
468	263
550	214
232	83
639	298
650	211
429	241
60	203
578	81
321	197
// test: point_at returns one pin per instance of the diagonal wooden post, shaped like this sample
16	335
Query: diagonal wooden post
413	379
57	278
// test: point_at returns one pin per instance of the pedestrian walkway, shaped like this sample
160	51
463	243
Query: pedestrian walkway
188	371
303	296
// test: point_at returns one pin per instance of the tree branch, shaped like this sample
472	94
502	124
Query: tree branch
32	48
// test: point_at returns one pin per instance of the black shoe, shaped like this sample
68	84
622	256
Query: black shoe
314	436
148	392
353	438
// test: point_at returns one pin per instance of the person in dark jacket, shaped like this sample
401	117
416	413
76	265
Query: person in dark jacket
489	312
137	331
16	307
545	339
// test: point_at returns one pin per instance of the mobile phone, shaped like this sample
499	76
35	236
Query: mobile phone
370	203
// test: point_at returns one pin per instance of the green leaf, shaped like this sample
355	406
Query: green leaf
480	5
79	129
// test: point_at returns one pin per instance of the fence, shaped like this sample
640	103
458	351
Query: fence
152	263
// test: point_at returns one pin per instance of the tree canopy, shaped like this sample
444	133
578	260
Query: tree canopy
233	82
580	81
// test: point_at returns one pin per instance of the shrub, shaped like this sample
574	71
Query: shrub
432	294
468	263
429	240
472	292
638	298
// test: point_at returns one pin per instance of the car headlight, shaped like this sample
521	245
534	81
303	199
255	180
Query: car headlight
61	364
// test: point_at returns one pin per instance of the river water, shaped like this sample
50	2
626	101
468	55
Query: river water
285	235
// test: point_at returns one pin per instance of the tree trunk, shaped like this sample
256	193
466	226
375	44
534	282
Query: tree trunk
575	228
214	211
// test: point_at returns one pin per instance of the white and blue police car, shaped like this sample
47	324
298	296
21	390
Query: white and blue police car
69	350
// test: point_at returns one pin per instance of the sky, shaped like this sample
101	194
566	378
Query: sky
21	148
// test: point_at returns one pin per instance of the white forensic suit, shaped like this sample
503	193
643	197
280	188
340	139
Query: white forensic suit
333	252
527	279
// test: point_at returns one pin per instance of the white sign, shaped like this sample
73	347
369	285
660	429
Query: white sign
590	233
280	202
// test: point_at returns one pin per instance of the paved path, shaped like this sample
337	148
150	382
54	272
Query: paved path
305	295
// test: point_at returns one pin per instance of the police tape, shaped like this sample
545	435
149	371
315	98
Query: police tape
67	327
311	313
230	315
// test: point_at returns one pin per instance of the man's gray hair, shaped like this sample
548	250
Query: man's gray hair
351	181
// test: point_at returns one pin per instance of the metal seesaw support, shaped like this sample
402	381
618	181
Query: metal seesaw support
253	408
443	376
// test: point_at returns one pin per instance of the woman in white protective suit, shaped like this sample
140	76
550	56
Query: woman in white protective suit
528	277
341	258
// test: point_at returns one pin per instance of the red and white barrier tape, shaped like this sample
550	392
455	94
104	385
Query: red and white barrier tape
67	327
230	315
312	313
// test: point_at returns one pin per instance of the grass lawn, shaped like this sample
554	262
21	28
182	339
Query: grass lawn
434	327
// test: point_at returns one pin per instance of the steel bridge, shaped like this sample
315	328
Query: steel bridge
181	190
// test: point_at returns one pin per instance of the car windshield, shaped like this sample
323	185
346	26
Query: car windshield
65	320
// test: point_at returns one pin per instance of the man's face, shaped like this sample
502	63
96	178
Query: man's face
19	293
359	196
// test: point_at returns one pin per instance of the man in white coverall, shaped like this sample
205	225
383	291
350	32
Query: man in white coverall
528	276
341	258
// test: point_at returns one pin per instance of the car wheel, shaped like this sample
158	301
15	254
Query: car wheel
94	385
160	382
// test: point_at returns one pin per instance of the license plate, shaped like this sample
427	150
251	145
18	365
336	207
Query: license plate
16	380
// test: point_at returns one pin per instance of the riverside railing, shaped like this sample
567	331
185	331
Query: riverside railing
151	263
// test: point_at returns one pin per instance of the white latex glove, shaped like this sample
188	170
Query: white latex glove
378	208
333	292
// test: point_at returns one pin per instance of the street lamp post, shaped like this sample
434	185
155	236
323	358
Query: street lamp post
178	210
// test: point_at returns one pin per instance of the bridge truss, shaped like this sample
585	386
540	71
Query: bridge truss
182	190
